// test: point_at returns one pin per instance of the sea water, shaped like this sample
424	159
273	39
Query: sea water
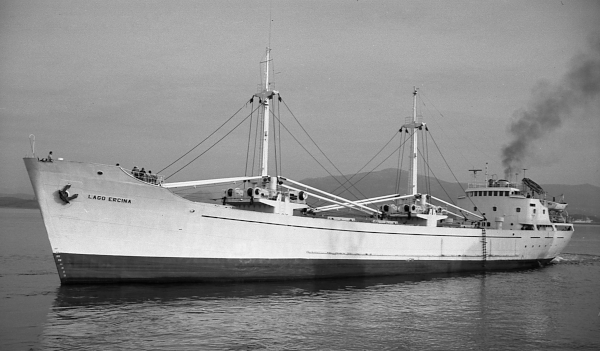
552	308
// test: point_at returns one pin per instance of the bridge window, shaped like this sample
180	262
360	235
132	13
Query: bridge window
518	209
495	193
494	208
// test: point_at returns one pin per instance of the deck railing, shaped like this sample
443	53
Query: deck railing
501	184
150	178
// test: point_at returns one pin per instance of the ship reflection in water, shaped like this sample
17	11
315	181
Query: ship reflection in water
512	310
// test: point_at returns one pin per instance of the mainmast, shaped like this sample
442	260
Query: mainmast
413	124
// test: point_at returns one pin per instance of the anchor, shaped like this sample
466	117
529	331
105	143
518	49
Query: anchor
64	194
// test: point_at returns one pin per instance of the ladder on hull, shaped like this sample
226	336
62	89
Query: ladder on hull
483	246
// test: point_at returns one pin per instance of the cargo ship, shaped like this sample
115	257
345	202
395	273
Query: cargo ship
108	224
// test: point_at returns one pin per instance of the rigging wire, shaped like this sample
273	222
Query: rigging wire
436	178
311	155
428	183
334	166
211	134
234	128
249	138
457	182
400	162
279	126
446	162
424	171
380	163
255	141
366	164
275	144
317	161
466	137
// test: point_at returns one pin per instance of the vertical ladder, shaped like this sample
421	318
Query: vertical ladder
483	246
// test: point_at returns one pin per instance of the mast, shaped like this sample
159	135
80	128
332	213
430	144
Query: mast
412	178
265	100
265	94
413	124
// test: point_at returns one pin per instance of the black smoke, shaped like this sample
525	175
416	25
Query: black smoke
552	105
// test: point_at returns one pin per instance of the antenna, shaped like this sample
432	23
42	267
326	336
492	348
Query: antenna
475	173
270	21
486	172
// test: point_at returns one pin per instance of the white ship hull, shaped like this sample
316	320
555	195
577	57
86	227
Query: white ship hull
122	229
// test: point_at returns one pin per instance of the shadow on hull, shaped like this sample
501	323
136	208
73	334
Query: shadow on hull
98	269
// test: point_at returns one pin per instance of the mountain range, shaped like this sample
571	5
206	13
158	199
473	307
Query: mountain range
583	200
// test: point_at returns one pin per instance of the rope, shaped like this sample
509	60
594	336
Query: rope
450	169
443	130
366	164
436	178
334	166
385	159
380	163
280	149
400	162
249	137
427	155
192	149
234	128
255	142
275	143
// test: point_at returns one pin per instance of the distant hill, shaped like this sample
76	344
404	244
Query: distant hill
583	200
18	202
382	183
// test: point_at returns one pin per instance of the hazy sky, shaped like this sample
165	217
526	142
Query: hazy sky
141	82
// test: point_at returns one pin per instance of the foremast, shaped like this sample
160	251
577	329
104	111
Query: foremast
264	95
270	194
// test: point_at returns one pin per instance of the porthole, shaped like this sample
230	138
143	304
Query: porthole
100	173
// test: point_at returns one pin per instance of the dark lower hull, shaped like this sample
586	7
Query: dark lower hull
83	269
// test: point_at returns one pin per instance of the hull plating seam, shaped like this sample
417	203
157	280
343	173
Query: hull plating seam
363	231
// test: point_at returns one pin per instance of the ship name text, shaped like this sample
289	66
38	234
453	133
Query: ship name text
109	199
